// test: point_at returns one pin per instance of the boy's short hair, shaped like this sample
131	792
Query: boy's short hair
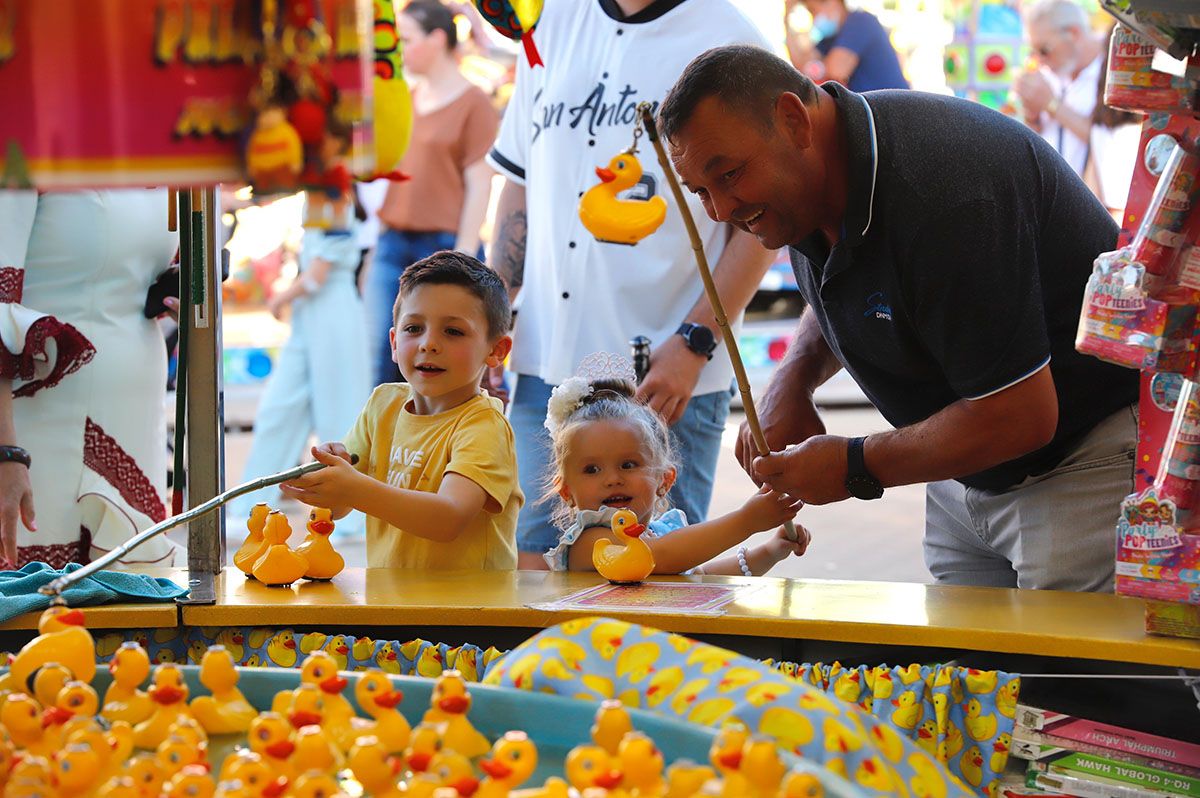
454	268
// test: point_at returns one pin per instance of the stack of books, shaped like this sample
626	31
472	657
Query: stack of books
1057	754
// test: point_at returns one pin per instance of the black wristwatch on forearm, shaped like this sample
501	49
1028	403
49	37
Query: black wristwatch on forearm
859	481
698	338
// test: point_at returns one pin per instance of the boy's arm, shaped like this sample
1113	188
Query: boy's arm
440	516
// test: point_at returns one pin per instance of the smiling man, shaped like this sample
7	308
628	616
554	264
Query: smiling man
942	249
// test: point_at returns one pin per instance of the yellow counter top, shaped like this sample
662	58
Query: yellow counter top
1081	625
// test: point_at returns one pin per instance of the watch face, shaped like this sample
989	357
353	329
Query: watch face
861	487
701	339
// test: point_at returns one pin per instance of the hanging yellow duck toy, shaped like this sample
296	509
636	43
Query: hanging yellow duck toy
255	544
629	561
324	563
615	220
278	566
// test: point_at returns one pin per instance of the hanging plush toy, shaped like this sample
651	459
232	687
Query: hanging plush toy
615	220
393	103
516	19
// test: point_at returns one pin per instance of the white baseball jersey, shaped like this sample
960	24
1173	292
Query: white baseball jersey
567	118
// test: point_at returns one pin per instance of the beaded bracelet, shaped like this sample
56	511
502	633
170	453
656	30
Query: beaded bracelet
741	557
15	454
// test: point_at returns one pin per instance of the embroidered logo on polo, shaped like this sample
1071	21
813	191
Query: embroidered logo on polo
877	307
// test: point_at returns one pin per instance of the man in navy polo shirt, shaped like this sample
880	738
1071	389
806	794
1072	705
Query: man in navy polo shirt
943	251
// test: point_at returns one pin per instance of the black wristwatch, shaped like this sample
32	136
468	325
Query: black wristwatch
859	481
15	454
698	338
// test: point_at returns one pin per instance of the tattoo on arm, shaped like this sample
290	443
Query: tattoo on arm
509	249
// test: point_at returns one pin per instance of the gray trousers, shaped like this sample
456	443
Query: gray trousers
1055	531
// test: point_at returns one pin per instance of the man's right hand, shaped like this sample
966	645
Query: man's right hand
16	507
787	415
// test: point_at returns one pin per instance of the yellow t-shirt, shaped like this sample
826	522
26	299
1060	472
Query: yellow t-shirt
411	451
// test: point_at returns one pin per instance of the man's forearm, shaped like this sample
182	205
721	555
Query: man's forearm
507	257
736	275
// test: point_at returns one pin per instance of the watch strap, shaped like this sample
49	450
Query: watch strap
15	454
856	464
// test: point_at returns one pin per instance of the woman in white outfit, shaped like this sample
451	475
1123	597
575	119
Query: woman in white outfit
320	381
82	375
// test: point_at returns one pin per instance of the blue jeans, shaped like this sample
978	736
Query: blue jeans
395	252
696	437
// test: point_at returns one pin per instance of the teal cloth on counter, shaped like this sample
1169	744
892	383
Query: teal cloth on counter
19	589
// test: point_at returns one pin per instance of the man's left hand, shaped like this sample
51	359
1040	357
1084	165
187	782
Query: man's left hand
814	470
674	372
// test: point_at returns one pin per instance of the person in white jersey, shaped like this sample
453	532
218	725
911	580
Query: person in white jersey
578	295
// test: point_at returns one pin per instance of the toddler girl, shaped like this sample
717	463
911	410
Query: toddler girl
612	452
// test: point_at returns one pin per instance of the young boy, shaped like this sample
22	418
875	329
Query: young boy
437	471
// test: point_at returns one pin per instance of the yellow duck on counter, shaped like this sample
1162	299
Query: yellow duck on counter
324	563
129	666
255	544
226	711
629	561
620	221
278	566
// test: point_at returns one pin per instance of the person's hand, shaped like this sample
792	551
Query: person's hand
674	372
493	382
780	547
276	305
16	506
332	487
1035	92
171	303
814	471
787	415
768	508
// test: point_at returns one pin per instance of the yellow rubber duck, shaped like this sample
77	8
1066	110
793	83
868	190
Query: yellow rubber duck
376	770
226	711
193	781
255	544
981	682
270	737
641	764
588	766
874	775
1000	752
972	765
453	770
63	639
279	565
954	739
512	761
49	681
256	776
281	649
848	686
31	775
799	784
76	771
629	561
145	771
725	754
22	717
423	745
7	752
1006	697
176	752
761	767
448	708
120	787
170	693
611	725
620	221
377	697
75	700
315	751
980	727
315	784
908	710
113	746
324	563
320	670
129	666
686	779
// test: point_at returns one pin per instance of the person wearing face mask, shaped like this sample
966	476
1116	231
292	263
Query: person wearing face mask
1058	98
851	47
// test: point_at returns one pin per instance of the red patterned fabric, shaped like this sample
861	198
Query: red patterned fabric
74	352
104	455
56	555
12	284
